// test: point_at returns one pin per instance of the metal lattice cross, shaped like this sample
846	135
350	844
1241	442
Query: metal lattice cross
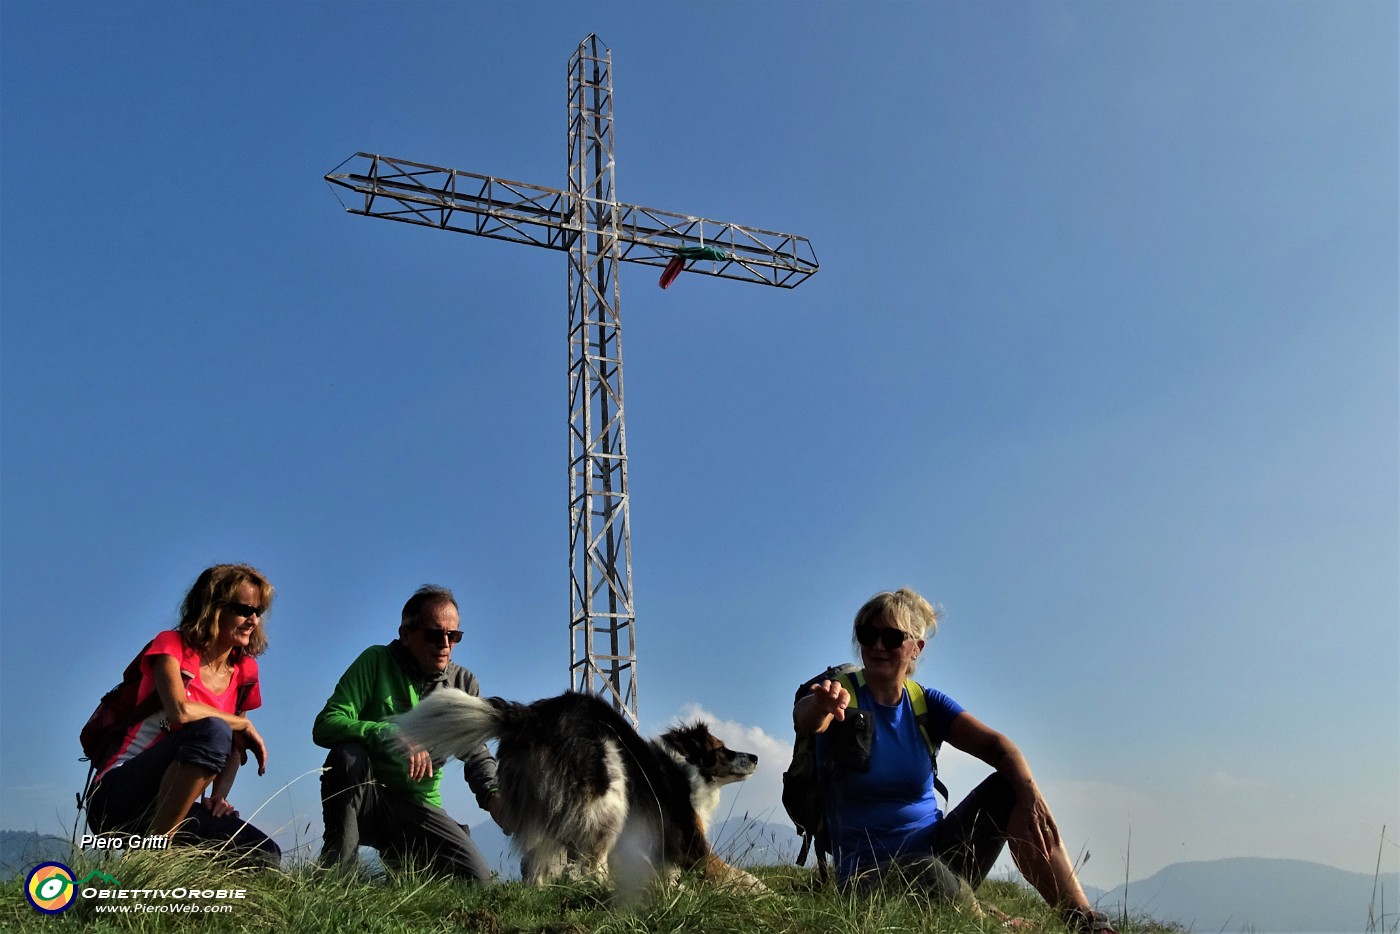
598	232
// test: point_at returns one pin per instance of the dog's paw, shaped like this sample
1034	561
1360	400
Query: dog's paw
758	888
747	882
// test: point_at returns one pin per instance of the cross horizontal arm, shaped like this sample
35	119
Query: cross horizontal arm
450	199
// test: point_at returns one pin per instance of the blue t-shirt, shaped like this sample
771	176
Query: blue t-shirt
873	816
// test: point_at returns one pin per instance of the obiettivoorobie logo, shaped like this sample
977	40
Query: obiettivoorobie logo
51	888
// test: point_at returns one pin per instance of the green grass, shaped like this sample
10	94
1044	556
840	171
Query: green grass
305	900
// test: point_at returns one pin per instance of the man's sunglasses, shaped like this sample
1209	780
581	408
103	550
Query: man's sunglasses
245	610
868	635
437	635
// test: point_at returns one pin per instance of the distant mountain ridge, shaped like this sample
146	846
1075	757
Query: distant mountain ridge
1263	896
22	849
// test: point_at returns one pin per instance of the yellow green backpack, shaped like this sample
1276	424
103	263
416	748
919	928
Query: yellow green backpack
806	780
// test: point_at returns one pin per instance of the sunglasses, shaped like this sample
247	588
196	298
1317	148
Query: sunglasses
435	636
868	635
244	610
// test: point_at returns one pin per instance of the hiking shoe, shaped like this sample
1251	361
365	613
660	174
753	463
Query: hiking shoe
1089	921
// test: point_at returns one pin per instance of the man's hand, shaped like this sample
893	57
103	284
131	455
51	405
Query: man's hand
495	806
420	763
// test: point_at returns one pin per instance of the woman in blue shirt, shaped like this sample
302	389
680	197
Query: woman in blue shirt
886	820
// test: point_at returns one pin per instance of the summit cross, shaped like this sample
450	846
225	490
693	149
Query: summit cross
598	232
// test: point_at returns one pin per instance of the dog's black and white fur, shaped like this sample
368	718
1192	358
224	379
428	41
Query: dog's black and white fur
580	786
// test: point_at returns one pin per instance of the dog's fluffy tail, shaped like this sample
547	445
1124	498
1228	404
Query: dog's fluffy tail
450	722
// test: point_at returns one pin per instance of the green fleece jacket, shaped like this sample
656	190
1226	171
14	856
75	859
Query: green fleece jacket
382	682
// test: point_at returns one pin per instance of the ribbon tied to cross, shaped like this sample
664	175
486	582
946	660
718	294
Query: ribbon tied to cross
684	255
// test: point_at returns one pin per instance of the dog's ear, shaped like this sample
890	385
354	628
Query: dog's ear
695	743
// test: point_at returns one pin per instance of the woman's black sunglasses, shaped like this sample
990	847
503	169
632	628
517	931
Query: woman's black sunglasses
867	635
245	610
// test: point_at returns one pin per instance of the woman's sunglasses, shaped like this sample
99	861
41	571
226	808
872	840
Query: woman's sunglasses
868	635
245	610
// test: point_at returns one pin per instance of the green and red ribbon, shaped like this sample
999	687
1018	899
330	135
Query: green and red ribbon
684	255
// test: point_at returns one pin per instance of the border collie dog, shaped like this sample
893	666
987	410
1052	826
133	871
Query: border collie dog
580	787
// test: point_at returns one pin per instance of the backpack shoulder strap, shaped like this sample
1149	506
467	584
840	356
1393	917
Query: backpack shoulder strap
919	702
151	703
241	707
141	709
850	680
248	682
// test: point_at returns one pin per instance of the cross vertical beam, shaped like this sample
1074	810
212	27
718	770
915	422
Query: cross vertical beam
598	232
603	656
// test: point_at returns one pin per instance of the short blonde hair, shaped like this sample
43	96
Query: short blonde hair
903	609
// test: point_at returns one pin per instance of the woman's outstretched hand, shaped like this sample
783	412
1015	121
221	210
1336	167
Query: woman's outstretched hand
831	699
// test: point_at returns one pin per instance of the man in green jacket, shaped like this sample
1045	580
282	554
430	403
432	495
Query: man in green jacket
374	791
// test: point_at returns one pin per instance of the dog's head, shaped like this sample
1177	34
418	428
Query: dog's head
716	762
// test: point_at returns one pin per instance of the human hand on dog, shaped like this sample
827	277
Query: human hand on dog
495	806
420	763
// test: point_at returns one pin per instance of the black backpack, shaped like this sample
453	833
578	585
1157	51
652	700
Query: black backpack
806	781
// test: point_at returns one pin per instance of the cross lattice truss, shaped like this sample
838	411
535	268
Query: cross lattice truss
598	232
502	209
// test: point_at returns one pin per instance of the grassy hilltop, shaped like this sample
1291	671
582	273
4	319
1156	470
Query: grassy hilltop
305	900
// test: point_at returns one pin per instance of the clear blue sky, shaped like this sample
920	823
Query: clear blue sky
1102	357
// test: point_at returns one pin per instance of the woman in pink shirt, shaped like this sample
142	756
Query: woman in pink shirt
174	769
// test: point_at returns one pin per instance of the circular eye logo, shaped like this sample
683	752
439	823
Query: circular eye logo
49	888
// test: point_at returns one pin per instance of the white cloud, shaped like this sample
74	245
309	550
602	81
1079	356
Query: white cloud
761	796
1228	782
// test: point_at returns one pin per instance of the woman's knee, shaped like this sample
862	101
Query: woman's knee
211	729
206	743
995	796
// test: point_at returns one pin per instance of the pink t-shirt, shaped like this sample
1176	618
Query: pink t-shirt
153	729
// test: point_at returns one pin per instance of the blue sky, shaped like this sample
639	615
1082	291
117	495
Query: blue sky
1102	357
